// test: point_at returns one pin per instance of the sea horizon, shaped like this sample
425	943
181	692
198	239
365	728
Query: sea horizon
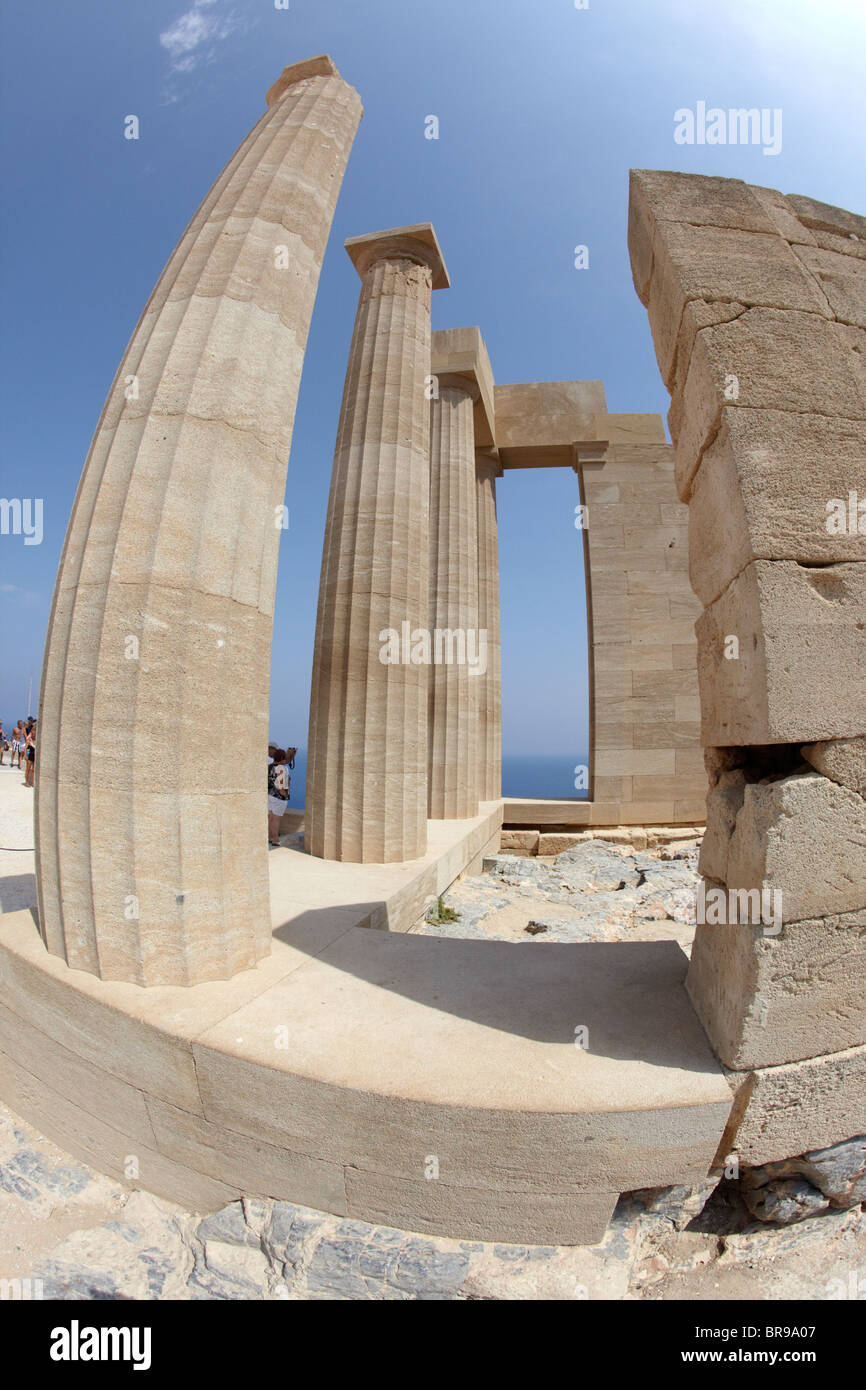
548	776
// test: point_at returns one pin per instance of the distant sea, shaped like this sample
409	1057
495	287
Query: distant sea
545	775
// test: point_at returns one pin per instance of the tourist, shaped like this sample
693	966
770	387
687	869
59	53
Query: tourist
290	757
4	743
278	795
30	755
17	746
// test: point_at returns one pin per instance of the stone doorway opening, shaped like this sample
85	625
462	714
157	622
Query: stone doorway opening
545	637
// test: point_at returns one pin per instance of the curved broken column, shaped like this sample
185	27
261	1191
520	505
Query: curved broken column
489	764
366	796
151	829
458	641
757	304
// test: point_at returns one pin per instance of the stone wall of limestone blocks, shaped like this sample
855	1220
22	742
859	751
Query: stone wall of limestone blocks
757	304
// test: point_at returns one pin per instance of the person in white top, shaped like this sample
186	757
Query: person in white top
278	795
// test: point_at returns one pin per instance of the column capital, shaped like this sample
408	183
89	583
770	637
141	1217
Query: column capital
461	353
460	382
322	66
588	451
416	243
487	461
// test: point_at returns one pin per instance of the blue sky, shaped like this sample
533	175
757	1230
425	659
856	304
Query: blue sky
543	108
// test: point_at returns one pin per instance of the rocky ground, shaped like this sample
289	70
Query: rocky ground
81	1235
593	892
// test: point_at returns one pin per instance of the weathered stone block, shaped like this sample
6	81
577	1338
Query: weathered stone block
785	1110
247	1163
625	762
712	263
525	840
805	837
566	1218
843	760
768	1000
724	802
781	213
763	491
669	834
697	314
840	242
769	359
703	200
812	213
554	842
797	676
842	280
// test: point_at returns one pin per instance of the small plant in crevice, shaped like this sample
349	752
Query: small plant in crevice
439	912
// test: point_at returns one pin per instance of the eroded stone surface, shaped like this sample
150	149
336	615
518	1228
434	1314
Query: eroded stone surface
767	998
795	674
843	760
805	838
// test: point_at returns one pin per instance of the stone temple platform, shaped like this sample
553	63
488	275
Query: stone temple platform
433	1084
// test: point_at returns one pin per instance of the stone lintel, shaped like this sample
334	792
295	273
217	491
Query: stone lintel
321	66
539	456
630	428
417	243
546	413
461	352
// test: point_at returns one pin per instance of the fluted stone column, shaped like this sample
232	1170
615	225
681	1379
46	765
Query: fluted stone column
151	813
487	470
367	758
455	679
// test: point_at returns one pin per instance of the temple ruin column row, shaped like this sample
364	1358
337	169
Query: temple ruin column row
404	708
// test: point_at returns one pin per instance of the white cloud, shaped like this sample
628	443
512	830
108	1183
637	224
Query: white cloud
192	37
